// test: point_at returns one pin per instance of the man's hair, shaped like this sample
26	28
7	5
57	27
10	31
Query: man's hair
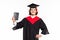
30	12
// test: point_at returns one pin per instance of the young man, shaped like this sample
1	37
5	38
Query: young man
32	24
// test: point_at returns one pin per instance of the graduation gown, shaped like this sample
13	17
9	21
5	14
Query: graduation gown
31	27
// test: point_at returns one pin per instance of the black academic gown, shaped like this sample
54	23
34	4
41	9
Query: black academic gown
31	27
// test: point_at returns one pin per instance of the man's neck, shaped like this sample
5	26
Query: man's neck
33	16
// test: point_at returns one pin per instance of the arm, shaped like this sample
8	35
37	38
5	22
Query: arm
19	25
43	28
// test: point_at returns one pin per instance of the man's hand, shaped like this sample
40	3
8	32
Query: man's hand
13	19
37	36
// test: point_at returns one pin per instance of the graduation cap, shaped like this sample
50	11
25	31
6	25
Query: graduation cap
33	5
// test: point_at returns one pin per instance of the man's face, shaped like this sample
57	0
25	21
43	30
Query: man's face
33	11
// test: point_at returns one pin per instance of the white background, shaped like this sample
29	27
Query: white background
49	11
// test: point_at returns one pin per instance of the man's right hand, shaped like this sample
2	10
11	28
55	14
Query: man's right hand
13	19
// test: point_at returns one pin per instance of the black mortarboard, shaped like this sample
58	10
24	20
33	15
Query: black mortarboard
33	5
